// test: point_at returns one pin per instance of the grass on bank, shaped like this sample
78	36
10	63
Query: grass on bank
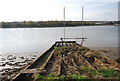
86	74
118	60
53	77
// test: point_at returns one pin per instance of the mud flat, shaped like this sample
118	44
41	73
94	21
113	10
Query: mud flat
111	52
12	63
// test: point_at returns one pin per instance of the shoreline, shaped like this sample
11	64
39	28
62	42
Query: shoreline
55	26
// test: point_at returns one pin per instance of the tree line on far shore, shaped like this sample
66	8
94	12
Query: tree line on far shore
33	24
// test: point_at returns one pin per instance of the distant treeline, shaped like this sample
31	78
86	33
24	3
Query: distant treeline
33	24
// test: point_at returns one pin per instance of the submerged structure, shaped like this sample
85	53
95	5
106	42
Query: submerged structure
70	60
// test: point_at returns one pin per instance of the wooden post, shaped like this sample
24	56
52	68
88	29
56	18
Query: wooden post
82	27
64	22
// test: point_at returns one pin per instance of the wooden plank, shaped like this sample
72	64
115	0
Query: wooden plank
65	41
74	38
44	64
33	62
37	70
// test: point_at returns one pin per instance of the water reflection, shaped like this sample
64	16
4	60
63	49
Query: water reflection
40	39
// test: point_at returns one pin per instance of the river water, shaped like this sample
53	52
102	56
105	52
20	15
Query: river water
19	40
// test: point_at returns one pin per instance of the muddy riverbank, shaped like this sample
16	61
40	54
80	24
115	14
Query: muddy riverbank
110	52
12	63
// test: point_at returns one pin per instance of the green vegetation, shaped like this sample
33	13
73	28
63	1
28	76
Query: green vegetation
86	75
118	60
33	24
109	73
78	77
105	73
87	71
53	77
104	60
39	77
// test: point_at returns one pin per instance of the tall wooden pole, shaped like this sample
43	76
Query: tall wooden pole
64	21
82	26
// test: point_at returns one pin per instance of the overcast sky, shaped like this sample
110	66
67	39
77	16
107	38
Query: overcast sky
39	10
